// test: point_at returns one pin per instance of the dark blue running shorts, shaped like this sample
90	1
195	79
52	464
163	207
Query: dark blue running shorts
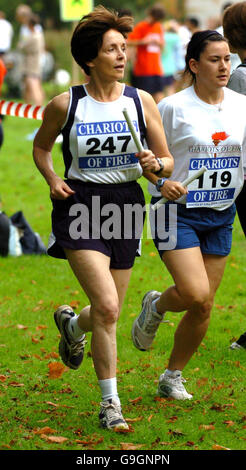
107	218
207	228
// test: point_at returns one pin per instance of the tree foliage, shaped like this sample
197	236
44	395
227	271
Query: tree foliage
50	9
44	8
47	9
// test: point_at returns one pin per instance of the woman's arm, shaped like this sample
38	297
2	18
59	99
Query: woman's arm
156	139
54	118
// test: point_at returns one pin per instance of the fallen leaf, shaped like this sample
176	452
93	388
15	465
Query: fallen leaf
52	404
56	439
190	443
16	384
219	307
229	423
74	303
175	432
46	430
134	420
172	419
130	446
219	407
218	447
37	308
207	427
135	400
35	340
201	382
21	327
164	443
124	431
3	378
41	327
56	370
90	442
52	355
75	292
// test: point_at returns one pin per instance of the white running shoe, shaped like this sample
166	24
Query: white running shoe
146	324
235	345
240	343
171	385
110	415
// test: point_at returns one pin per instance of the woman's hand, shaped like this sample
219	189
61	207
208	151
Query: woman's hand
173	190
148	161
59	189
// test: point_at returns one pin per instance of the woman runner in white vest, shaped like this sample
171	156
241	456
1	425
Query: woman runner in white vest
101	169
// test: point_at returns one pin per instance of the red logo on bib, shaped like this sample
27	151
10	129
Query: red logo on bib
217	137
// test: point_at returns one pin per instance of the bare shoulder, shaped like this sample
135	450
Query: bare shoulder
146	98
150	107
54	118
57	108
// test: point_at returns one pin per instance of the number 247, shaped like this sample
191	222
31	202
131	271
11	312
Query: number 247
108	145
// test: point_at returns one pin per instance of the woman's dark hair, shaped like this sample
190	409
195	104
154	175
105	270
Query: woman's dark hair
197	45
88	35
234	25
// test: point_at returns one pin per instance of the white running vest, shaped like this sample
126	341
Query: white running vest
97	143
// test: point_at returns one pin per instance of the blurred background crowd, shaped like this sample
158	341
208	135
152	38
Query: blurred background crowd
35	53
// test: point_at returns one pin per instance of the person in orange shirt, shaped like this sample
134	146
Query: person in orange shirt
148	38
3	72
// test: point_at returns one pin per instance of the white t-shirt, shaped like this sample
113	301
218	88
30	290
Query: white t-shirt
6	35
199	134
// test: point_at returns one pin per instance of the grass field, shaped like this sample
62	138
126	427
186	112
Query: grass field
45	406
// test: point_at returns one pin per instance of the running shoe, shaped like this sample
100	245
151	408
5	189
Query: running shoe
172	386
110	415
240	343
146	324
71	351
235	345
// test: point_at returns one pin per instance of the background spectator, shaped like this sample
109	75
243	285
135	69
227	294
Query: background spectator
147	37
172	58
193	24
235	60
32	47
6	34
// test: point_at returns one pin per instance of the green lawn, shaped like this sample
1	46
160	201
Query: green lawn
40	411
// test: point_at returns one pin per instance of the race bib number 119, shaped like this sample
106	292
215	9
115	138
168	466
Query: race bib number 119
215	187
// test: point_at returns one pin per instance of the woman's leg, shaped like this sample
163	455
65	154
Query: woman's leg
106	291
196	277
33	92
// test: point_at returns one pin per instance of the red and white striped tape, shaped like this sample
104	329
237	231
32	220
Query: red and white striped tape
29	111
